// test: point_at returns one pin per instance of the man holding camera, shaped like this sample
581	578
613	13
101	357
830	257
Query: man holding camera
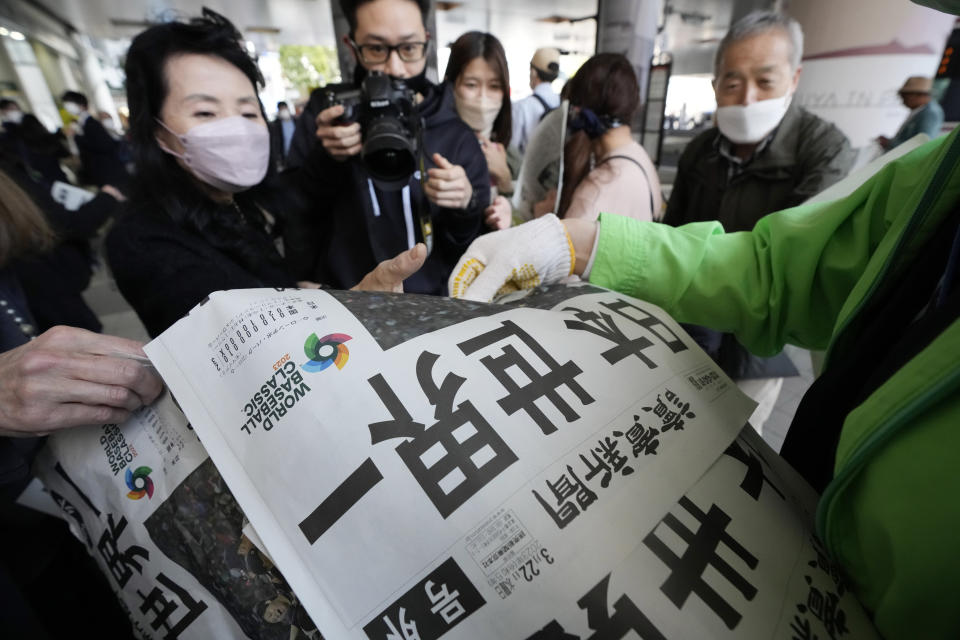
365	217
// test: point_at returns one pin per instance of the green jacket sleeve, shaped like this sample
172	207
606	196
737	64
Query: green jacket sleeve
788	280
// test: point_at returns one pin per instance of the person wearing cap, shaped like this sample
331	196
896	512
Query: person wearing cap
527	113
926	115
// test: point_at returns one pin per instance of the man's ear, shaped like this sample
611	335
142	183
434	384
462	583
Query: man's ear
796	79
347	41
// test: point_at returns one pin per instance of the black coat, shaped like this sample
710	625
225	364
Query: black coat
164	269
101	155
806	155
277	154
351	234
54	281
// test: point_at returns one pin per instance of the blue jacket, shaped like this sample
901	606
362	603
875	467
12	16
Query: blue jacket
927	119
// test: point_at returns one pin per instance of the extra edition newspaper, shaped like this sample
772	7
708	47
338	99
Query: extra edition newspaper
567	465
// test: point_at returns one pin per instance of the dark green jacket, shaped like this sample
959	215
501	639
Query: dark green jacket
806	156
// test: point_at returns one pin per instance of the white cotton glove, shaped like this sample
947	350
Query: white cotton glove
523	257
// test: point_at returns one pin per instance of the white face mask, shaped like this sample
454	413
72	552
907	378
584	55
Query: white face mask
72	108
478	114
749	124
14	116
283	114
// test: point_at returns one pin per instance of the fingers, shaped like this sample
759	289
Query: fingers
499	214
340	141
446	195
390	274
113	192
83	355
486	284
328	115
452	174
71	415
442	162
398	269
449	197
448	185
94	379
463	276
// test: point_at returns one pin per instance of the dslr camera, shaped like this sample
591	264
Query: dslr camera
389	123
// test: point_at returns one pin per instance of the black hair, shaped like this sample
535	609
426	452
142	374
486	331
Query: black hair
6	103
282	105
37	138
349	9
159	182
476	44
76	97
607	85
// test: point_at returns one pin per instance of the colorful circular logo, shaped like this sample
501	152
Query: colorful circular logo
139	483
326	351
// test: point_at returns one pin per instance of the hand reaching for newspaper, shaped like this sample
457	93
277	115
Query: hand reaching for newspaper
69	377
523	257
390	274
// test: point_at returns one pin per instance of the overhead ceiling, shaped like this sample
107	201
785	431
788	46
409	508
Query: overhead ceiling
691	28
288	21
285	21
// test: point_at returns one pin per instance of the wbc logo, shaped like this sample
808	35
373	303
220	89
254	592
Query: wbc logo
325	351
139	483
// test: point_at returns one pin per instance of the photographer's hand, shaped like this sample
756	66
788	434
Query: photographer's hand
340	141
448	185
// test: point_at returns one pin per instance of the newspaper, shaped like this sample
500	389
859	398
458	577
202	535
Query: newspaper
71	197
566	466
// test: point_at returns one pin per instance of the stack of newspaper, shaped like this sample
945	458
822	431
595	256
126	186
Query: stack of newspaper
359	465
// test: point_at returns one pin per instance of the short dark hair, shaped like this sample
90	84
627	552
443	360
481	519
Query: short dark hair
282	105
76	97
476	44
6	103
349	8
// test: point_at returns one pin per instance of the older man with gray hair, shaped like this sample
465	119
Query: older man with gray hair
764	154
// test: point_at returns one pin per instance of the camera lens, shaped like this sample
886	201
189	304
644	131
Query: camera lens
389	153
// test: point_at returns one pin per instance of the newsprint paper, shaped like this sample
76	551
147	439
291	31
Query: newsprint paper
567	465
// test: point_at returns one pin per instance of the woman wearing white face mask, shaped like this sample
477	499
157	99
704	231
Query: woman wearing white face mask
477	70
203	214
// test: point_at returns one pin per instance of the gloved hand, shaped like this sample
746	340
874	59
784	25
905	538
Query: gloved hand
534	253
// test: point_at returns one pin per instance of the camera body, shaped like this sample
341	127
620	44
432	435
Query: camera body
390	124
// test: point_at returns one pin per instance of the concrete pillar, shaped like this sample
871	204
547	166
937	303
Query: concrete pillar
99	94
31	82
629	27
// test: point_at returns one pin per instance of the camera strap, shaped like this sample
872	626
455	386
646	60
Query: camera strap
426	220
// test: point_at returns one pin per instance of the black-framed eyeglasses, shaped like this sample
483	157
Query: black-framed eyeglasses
380	53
